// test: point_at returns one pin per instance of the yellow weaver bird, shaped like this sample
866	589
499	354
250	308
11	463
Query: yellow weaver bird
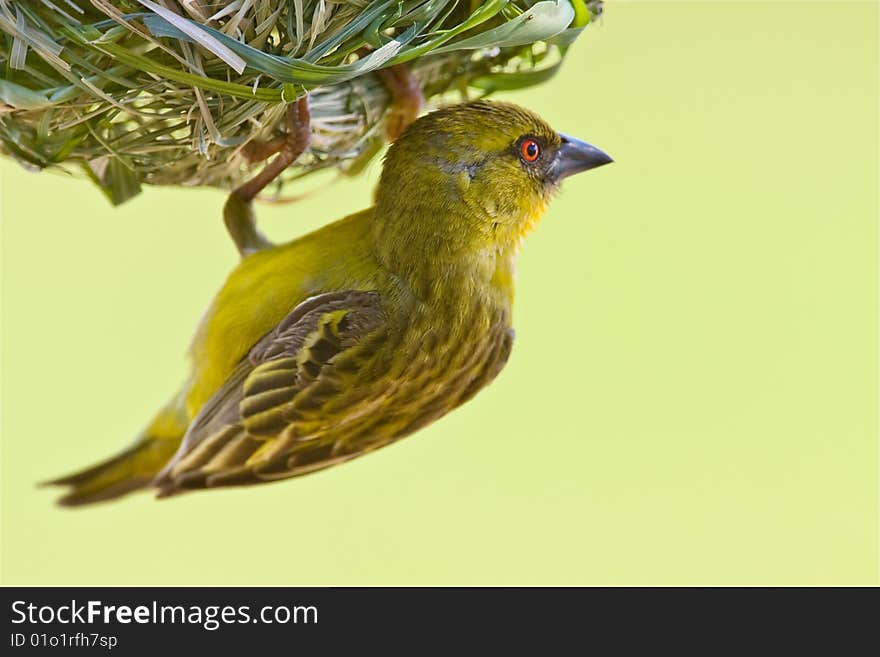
320	350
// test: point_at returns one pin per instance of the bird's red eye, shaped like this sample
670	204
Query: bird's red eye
529	150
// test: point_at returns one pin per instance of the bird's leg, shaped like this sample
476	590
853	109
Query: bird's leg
238	213
406	98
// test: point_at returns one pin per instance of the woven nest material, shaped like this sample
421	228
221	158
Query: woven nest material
167	92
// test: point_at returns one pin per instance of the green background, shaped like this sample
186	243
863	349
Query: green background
692	398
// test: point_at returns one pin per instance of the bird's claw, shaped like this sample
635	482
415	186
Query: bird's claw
406	99
238	213
289	147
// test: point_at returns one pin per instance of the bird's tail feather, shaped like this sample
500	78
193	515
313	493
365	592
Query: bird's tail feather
131	469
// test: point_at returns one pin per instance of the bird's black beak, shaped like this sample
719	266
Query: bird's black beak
575	156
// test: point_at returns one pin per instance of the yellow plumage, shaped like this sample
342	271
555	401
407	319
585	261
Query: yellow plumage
340	342
267	285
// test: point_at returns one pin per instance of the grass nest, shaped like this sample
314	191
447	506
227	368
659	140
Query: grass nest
167	92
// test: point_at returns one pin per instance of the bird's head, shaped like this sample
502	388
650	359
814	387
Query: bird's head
473	178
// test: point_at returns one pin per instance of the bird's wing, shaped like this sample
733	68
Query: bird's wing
285	408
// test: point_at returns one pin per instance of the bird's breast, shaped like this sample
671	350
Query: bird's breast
448	351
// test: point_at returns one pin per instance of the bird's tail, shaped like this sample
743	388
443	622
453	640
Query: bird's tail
134	467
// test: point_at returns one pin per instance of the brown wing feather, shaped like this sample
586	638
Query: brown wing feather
269	419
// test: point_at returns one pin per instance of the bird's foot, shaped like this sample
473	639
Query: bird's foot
238	213
298	135
406	98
